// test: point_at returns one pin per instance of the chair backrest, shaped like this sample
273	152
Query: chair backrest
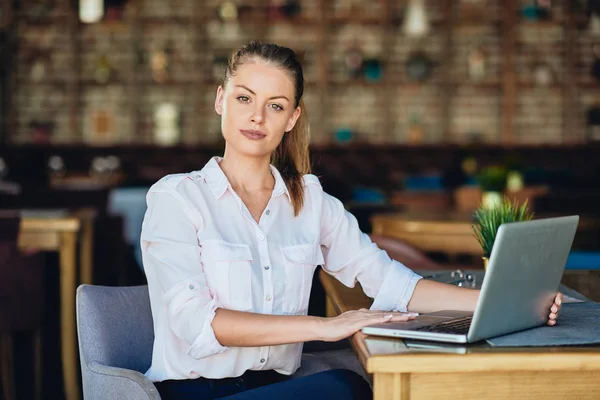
405	253
114	325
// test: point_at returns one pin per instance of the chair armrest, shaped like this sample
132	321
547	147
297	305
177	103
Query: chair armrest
103	382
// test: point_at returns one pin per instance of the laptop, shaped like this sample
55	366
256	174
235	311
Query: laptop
523	275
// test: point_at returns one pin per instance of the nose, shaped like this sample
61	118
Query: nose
258	116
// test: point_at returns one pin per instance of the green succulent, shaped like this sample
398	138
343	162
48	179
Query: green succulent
488	220
492	179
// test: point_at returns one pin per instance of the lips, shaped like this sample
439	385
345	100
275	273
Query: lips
252	134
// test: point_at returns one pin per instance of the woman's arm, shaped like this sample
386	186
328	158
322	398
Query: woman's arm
430	296
244	329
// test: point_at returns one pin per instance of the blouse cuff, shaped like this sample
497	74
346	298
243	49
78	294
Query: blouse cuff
206	343
397	288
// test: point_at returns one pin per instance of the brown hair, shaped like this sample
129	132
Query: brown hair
291	157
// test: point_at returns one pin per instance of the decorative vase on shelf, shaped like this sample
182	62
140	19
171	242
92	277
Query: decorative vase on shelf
476	64
416	20
416	132
166	124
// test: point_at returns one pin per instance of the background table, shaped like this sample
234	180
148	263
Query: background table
58	230
451	232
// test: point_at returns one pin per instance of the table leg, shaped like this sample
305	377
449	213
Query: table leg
86	256
391	386
68	267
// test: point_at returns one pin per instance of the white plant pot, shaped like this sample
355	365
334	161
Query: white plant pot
491	199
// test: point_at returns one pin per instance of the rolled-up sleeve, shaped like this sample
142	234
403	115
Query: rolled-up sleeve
351	256
171	256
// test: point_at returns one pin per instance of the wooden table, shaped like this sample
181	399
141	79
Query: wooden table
400	372
60	232
448	232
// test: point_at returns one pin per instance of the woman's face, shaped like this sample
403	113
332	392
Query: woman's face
256	108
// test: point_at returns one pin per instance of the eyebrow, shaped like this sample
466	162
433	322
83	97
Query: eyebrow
270	98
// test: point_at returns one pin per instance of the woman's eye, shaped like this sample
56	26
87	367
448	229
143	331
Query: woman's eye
243	99
277	107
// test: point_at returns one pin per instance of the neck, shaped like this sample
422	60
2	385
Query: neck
247	173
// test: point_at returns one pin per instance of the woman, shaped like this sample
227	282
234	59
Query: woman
229	252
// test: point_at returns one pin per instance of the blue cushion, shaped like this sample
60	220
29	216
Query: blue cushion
367	195
583	260
423	182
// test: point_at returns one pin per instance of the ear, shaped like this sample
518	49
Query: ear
219	100
292	121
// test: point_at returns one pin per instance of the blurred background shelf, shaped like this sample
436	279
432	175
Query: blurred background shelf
188	44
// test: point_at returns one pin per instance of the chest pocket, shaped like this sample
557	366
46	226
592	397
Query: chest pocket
300	262
228	269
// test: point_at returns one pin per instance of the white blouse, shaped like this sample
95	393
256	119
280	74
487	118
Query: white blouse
202	250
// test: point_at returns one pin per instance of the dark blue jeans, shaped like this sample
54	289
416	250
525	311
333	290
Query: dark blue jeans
334	384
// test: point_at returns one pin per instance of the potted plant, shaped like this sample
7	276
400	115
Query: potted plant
488	220
492	181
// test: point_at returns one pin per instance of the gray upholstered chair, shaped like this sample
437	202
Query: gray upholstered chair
115	330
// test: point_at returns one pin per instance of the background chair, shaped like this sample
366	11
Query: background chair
21	303
114	326
405	253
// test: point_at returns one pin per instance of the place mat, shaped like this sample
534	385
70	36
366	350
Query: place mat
578	324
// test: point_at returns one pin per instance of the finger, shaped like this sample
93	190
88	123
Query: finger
553	315
554	308
372	320
398	316
559	299
404	314
402	317
552	322
371	313
383	318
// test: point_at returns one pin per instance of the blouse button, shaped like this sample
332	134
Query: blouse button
268	212
262	360
269	298
191	286
261	237
267	267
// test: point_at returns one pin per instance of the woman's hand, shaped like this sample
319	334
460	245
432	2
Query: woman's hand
555	308
350	322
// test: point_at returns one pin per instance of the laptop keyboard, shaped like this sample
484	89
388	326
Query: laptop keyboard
458	326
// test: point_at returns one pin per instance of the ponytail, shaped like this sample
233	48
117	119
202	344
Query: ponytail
292	159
